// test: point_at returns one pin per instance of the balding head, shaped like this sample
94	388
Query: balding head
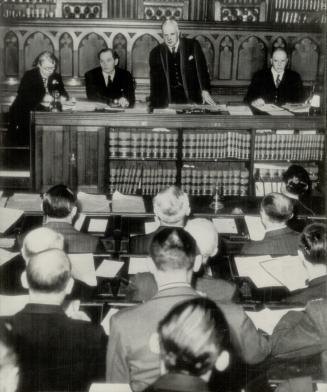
205	235
170	32
48	272
279	60
39	240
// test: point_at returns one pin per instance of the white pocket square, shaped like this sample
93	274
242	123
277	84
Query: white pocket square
191	58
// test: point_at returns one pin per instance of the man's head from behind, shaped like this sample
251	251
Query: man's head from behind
59	202
108	60
170	32
296	181
48	275
276	209
171	206
279	60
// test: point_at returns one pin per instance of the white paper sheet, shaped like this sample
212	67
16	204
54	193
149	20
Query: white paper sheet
106	321
11	304
83	268
110	388
150	227
97	225
239	110
139	264
126	203
25	201
255	227
5	256
225	225
79	221
109	268
93	203
8	216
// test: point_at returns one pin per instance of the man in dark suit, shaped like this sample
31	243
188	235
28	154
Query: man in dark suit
276	210
59	207
275	85
36	87
109	83
133	356
178	70
56	353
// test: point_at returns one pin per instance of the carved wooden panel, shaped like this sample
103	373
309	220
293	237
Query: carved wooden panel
11	55
305	58
120	46
251	58
208	51
125	9
161	9
88	52
226	50
34	45
140	55
81	10
66	55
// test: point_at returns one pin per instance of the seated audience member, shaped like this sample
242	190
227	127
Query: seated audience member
9	369
297	185
171	207
313	252
130	358
276	210
59	208
56	353
277	84
36	87
193	339
108	83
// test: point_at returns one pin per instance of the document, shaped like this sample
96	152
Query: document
110	388
255	227
5	256
150	227
239	110
126	203
7	242
25	201
97	225
267	319
8	216
92	203
139	264
106	321
83	268
274	110
225	225
109	268
288	270
297	107
79	221
11	304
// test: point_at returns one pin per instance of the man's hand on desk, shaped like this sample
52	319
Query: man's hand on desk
258	102
206	98
123	102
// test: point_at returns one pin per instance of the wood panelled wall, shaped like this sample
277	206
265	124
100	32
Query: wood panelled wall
233	52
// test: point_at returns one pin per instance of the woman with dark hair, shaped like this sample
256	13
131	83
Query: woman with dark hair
193	338
312	250
34	93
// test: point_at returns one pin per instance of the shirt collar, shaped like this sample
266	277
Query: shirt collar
282	226
173	285
274	73
106	75
176	47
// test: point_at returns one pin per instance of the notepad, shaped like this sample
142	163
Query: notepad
93	203
97	225
106	321
150	227
138	264
108	268
11	304
126	203
225	225
255	227
8	216
83	268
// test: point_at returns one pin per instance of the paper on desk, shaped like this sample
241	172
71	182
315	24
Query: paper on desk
288	270
267	319
109	268
93	203
85	106
8	216
239	110
321	387
126	203
250	266
7	242
150	227
273	110
83	268
97	225
11	304
139	264
255	227
297	107
225	225
5	256
79	221
106	321
25	201
110	388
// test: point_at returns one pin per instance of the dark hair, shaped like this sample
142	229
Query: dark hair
277	207
313	243
48	271
192	335
45	55
113	52
58	201
173	248
297	180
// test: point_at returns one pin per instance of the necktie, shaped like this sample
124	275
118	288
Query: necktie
109	81
277	80
173	50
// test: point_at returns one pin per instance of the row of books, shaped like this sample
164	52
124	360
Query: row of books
216	145
298	11
147	178
289	147
303	5
134	143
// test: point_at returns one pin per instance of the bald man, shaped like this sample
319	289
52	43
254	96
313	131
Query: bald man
178	70
56	353
276	84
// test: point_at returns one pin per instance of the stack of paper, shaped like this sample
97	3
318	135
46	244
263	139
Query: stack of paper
83	268
255	227
8	217
124	203
93	203
25	201
239	110
297	107
274	110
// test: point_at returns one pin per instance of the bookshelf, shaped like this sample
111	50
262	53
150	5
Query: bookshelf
297	11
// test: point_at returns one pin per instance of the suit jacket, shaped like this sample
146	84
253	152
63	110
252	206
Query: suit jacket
75	241
317	288
194	73
277	242
129	358
121	86
29	97
57	353
263	86
175	382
